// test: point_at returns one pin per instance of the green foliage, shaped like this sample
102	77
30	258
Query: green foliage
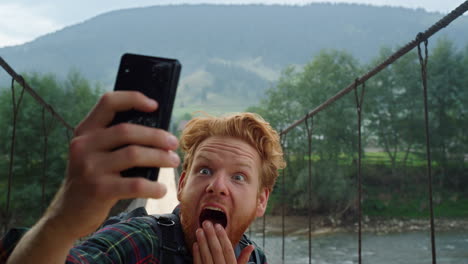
36	130
293	96
446	99
331	186
393	107
446	205
394	158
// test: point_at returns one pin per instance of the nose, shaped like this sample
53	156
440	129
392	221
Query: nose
218	184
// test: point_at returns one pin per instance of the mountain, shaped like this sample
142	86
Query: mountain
230	53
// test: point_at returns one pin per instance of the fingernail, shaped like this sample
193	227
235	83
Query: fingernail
172	141
175	158
218	227
207	224
152	102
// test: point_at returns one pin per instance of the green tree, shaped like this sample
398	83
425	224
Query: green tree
446	87
393	109
72	99
296	93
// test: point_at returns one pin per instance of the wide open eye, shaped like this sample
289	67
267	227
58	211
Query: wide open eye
205	171
238	177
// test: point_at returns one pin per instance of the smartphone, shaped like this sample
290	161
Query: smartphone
157	78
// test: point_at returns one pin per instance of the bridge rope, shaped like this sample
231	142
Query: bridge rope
445	21
359	101
423	62
309	185
421	37
46	130
19	79
16	107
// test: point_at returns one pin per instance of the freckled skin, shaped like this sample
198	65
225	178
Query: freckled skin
224	173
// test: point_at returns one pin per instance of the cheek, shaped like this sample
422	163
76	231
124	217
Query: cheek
190	190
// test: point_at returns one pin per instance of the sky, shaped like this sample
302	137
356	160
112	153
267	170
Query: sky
24	20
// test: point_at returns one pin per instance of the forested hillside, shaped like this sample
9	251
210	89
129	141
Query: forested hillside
234	52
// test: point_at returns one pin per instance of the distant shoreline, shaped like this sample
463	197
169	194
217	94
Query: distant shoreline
299	225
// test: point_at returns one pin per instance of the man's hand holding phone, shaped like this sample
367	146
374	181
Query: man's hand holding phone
93	183
100	150
124	135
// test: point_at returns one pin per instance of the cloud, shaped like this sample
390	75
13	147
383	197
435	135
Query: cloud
21	23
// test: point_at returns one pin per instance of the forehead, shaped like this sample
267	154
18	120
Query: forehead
222	147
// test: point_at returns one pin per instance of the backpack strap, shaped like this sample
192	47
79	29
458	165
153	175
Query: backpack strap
171	239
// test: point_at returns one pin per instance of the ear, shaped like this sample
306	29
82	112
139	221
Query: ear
262	201
181	185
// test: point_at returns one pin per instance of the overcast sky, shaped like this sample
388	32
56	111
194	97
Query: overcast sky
24	20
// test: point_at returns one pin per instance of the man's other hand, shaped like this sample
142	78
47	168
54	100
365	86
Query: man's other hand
214	247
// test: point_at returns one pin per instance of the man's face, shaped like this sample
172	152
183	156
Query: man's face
222	186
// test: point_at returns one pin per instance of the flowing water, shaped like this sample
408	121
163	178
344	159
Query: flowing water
341	248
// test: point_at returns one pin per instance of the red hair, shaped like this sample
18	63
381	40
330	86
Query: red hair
248	127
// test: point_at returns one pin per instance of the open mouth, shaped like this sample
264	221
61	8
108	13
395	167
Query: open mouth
214	215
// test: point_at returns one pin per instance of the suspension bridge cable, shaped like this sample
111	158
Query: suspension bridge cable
402	51
46	131
16	106
19	79
423	62
359	100
309	211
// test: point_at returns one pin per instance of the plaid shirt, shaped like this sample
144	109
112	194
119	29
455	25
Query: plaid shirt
132	241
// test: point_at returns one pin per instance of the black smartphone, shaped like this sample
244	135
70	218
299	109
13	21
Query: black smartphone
157	78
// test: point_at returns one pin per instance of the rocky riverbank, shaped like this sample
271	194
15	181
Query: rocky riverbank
298	225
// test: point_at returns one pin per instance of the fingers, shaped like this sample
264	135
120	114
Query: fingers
204	248
213	246
98	153
110	103
245	254
219	255
139	156
196	254
127	188
225	243
126	134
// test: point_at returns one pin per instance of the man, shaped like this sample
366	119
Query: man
229	170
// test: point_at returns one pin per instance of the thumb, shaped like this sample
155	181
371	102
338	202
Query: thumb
245	254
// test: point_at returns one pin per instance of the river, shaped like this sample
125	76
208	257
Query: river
341	248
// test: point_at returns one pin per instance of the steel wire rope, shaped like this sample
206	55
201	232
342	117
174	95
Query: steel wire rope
445	21
16	107
19	79
423	63
46	130
359	100
309	189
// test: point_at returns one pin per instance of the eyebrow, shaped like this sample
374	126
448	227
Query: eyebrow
246	165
